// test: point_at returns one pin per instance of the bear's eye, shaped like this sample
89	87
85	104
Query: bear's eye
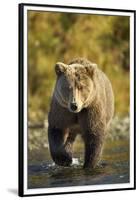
81	86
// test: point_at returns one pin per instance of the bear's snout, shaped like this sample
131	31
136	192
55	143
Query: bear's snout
73	106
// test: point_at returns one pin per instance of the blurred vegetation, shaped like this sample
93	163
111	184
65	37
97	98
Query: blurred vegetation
61	37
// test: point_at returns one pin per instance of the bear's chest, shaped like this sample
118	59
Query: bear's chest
75	128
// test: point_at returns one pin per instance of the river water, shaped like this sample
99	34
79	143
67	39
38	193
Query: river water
113	168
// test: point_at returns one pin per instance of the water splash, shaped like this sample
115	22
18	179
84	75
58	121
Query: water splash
75	161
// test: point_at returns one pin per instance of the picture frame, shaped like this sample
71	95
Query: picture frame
23	75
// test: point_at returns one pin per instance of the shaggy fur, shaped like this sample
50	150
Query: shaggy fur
83	84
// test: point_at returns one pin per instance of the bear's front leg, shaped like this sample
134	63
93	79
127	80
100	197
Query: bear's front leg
60	150
93	148
92	122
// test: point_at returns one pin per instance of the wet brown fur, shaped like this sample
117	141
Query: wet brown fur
91	122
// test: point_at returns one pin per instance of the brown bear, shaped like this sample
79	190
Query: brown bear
82	102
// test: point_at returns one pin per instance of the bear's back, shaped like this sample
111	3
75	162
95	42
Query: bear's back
81	61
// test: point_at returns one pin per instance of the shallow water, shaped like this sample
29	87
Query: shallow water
113	168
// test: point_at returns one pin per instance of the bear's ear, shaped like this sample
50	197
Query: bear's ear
91	69
60	68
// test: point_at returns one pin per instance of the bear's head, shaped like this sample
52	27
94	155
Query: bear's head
75	88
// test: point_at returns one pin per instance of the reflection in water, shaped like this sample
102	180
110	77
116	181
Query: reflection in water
113	168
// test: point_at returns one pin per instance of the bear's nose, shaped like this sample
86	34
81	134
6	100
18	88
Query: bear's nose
73	106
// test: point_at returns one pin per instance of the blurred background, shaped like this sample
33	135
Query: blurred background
54	37
104	40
